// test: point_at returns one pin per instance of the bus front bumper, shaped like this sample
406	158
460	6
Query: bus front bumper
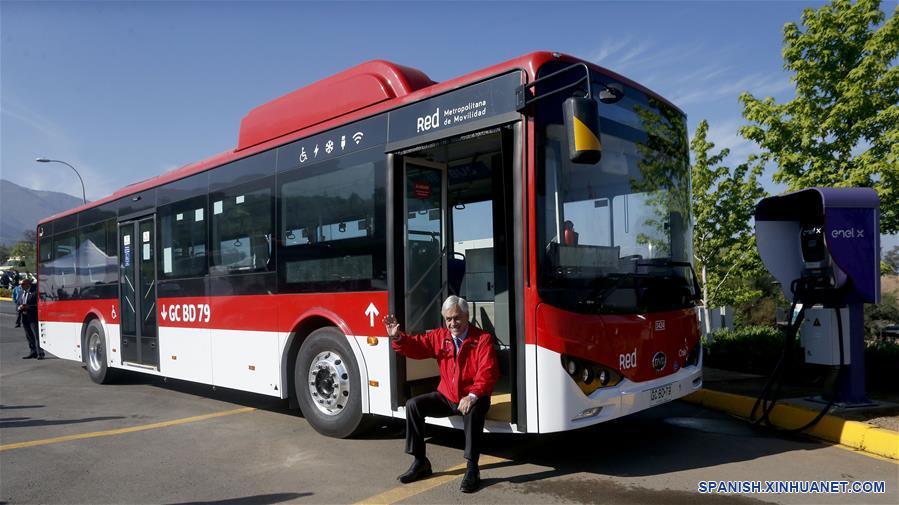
563	406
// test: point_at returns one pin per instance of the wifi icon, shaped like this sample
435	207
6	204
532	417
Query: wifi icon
357	137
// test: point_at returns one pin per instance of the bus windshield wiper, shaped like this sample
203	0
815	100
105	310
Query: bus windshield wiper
667	262
599	295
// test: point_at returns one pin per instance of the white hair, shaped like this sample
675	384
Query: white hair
454	301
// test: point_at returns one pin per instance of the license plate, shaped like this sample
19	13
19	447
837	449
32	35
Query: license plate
660	394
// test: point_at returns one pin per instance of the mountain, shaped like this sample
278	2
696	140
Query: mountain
21	208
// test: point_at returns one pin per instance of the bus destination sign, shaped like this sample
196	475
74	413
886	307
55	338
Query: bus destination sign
460	109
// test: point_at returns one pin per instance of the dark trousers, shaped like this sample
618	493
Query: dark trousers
436	405
31	334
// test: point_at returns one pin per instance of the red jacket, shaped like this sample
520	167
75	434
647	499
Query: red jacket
474	370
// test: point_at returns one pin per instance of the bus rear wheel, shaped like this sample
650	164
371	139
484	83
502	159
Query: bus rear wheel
95	354
327	384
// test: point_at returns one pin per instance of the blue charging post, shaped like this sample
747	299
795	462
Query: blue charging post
851	391
823	246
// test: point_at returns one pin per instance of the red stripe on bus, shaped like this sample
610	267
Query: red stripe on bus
356	313
76	311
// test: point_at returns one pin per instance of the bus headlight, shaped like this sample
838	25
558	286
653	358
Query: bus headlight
604	377
589	376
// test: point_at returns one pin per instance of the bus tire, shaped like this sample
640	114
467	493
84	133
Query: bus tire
327	384
95	352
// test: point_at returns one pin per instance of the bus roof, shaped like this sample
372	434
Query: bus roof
365	90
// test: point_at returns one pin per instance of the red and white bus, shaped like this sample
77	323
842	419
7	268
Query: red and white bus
268	268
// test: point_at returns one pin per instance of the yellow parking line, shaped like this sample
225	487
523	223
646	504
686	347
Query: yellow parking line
121	431
406	491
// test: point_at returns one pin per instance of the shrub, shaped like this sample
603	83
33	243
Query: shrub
750	349
5	293
879	316
756	349
881	361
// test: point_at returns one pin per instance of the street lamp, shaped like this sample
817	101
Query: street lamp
47	160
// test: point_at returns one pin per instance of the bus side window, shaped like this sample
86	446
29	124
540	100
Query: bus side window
329	225
242	223
63	265
182	238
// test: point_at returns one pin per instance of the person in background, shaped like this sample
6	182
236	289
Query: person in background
27	306
468	372
16	292
571	236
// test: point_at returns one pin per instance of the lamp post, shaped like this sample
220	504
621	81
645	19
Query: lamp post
47	160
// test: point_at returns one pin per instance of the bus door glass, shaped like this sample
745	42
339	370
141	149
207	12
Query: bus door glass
137	292
425	207
425	258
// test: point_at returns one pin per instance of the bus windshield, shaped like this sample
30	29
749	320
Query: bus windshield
615	237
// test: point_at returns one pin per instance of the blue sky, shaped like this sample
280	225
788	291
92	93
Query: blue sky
127	90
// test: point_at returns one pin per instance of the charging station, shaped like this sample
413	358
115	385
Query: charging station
822	245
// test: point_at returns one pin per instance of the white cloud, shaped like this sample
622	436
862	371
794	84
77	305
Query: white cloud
615	54
698	79
758	84
19	112
48	139
725	135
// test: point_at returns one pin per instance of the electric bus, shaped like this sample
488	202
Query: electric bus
549	192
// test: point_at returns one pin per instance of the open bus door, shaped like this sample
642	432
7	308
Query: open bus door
453	235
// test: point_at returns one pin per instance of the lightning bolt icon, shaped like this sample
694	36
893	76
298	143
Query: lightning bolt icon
315	151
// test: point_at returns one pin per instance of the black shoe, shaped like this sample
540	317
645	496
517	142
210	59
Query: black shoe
18	326
30	356
420	468
471	482
40	356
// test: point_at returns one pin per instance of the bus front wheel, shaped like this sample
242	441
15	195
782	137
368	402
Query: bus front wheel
95	347
327	384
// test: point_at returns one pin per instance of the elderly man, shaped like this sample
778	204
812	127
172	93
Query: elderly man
468	373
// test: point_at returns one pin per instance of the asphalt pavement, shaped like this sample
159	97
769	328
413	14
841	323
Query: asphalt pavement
64	439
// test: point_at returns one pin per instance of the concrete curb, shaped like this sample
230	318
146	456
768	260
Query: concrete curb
831	428
2	299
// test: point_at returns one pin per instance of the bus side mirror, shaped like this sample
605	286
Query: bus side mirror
581	119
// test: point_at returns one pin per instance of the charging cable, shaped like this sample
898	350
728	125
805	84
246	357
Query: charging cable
802	291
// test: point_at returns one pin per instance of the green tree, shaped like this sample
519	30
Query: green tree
842	126
890	259
724	200
27	250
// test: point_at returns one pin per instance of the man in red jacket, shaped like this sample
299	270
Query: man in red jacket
468	372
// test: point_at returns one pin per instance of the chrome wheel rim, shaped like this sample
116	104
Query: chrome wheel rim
95	352
329	383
